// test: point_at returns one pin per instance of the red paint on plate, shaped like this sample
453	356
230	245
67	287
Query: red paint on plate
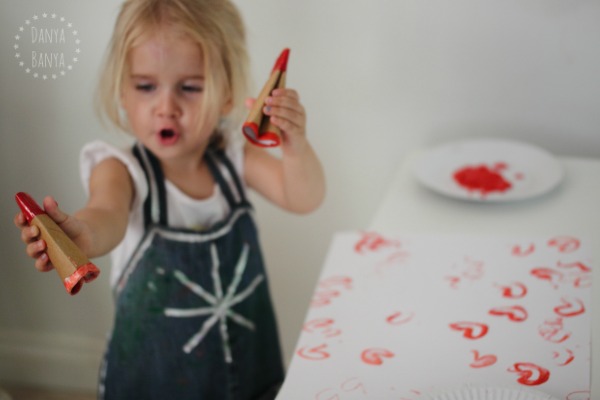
481	178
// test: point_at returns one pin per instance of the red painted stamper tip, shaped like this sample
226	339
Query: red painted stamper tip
281	63
85	273
28	206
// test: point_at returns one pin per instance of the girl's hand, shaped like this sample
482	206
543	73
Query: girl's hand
30	235
285	111
295	181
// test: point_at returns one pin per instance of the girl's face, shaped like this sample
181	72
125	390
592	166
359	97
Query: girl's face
163	94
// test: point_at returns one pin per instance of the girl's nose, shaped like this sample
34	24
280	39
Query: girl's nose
167	105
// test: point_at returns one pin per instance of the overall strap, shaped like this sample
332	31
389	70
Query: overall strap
155	204
213	159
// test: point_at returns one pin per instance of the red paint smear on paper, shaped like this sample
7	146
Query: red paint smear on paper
399	257
454	281
481	178
530	374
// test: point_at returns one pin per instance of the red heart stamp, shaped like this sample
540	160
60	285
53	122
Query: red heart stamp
518	251
316	353
343	281
317	324
575	265
481	361
564	358
515	290
547	274
374	356
564	244
470	330
323	297
570	308
530	374
373	241
514	313
399	318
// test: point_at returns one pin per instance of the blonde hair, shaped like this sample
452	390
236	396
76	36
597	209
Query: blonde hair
215	25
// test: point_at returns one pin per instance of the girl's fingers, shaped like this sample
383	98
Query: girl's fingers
286	111
283	92
287	127
29	234
51	208
19	220
36	249
42	263
279	113
285	102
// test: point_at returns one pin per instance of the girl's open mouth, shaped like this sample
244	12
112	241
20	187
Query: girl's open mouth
167	136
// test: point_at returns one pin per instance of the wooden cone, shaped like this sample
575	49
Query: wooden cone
70	263
257	128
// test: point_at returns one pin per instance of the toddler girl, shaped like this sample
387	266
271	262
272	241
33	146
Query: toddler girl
194	317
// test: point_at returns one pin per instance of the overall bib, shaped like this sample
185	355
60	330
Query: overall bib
194	318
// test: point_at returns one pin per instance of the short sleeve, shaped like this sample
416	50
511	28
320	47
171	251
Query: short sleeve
97	151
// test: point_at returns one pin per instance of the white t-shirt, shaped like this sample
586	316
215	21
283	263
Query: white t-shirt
183	211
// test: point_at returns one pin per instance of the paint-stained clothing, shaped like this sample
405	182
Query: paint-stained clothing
183	211
194	319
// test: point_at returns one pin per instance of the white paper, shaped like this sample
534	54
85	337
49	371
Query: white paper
393	317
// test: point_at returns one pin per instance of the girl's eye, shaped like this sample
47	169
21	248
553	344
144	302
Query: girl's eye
191	88
144	87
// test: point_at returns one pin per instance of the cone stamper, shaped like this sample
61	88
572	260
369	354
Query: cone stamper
72	265
257	128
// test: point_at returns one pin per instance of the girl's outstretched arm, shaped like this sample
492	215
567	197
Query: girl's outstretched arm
98	227
295	182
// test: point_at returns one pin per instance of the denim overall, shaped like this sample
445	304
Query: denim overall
194	318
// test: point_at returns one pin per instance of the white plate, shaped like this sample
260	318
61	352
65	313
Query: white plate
529	170
480	392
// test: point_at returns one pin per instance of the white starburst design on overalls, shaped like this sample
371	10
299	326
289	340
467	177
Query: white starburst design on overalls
220	303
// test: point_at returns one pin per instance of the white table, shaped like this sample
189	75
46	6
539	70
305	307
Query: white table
572	208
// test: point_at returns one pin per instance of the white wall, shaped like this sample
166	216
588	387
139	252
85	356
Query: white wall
379	78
